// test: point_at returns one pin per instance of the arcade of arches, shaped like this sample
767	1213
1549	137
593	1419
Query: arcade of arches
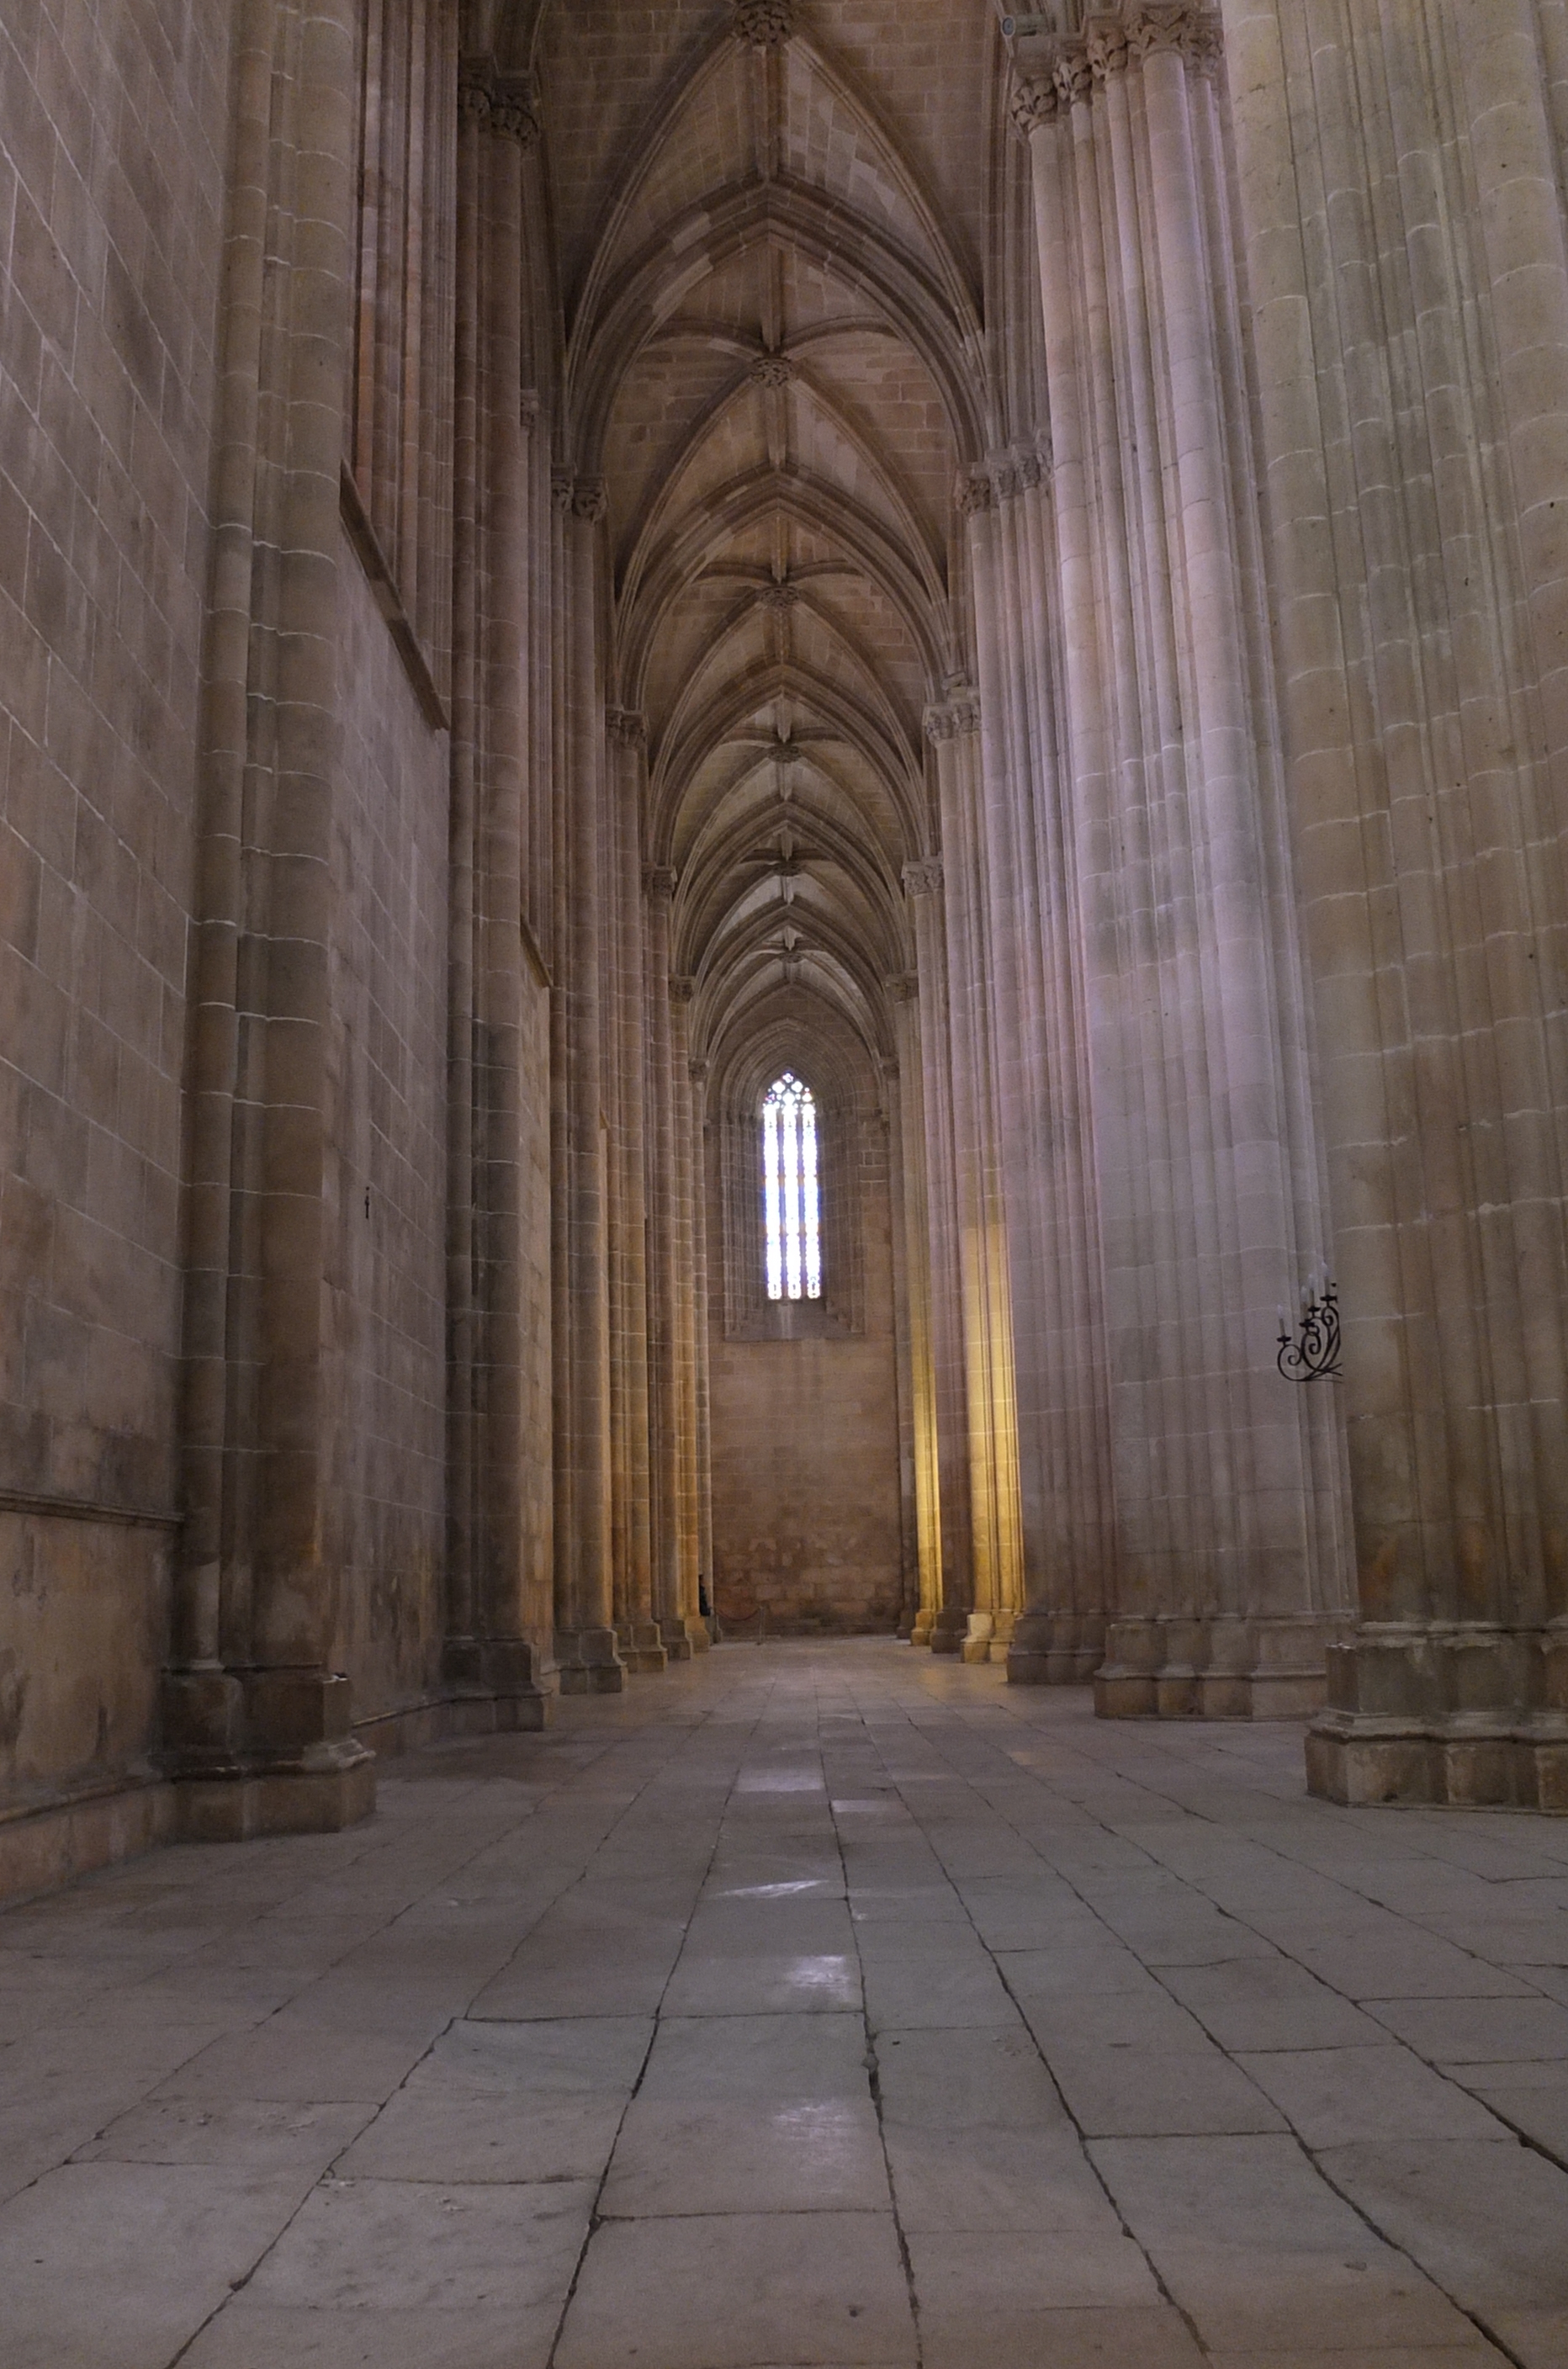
561	564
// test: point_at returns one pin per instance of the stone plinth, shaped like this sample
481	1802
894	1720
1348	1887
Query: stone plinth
1473	1715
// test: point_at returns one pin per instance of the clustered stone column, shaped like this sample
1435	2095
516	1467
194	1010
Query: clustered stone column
1429	800
1041	1083
911	1330
691	1354
1228	1582
497	1644
586	1652
951	1587
636	1626
915	1182
255	1721
995	1574
668	1588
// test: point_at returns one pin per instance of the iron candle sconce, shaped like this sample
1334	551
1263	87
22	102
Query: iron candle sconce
1313	1348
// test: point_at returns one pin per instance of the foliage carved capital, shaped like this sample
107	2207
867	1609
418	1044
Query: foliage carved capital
766	24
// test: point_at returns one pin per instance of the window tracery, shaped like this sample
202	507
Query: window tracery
790	1195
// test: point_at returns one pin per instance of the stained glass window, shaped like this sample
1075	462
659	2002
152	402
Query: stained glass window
790	1206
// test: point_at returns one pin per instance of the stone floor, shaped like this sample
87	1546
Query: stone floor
812	2004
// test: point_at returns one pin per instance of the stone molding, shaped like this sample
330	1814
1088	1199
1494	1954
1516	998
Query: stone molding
45	1506
766	24
924	878
365	544
628	726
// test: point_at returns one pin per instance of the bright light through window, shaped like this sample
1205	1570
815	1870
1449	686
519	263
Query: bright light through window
789	1191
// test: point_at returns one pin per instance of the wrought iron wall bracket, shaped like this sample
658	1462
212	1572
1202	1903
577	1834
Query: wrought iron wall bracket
1313	1348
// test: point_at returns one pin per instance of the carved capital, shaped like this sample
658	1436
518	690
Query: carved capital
903	986
590	499
660	880
957	717
766	24
1033	464
773	370
1017	471
476	87
682	990
698	1072
628	726
1035	101
1072	73
1186	27
973	492
924	879
562	483
1104	44
513	111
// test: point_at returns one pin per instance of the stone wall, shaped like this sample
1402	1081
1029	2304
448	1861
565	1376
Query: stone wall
806	1512
112	139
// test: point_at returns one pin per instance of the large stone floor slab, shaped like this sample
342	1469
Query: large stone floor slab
805	2005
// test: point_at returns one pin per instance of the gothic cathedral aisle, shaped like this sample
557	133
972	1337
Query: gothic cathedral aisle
782	778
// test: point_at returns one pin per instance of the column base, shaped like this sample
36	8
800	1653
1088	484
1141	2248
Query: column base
277	1802
492	1685
586	1662
921	1634
1465	1715
1215	1667
949	1629
989	1635
642	1648
263	1752
1055	1649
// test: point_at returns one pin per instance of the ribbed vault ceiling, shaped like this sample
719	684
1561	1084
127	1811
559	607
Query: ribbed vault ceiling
772	360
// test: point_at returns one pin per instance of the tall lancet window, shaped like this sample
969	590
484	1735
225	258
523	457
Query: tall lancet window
790	1205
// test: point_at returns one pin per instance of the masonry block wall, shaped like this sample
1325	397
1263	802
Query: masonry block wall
113	134
805	1499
